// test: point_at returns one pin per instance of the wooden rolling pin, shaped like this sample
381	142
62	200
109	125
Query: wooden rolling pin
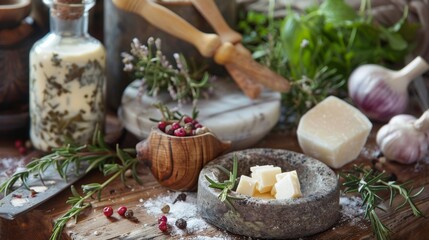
164	19
207	44
211	13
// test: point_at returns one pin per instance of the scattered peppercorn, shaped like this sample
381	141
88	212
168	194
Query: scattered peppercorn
108	211
19	143
181	128
33	193
165	209
122	210
128	173
162	219
17	195
181	197
129	213
22	150
181	223
163	226
20	146
28	144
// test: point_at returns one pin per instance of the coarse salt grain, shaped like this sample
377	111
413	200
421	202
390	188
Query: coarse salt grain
205	238
181	209
352	209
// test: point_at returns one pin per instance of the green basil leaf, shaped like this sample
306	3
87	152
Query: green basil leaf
337	11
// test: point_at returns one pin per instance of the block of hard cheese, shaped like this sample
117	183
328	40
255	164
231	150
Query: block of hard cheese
333	132
288	187
246	185
265	176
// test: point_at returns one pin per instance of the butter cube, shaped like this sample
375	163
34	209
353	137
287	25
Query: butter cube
266	178
246	186
263	195
279	177
333	132
282	175
288	187
255	168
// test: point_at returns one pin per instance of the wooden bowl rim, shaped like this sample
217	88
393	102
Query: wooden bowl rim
17	5
155	129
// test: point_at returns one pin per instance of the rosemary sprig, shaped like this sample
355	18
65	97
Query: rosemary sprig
79	203
97	155
369	184
228	185
62	158
148	63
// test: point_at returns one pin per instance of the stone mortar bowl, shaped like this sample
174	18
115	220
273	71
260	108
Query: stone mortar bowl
315	212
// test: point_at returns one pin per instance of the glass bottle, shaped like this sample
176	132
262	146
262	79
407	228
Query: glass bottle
67	78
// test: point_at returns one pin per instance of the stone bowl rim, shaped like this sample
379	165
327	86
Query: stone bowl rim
274	202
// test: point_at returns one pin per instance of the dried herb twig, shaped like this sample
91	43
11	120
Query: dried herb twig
369	184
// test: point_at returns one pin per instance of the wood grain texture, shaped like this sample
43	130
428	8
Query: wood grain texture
211	13
37	224
177	161
227	54
170	22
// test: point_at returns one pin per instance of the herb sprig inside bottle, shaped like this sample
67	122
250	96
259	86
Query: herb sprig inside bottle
157	74
67	78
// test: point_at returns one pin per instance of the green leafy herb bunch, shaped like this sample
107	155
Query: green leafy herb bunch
318	49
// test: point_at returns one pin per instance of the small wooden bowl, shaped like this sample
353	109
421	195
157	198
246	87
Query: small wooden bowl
316	211
176	162
12	12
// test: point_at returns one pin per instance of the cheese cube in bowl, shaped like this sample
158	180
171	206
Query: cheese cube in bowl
261	216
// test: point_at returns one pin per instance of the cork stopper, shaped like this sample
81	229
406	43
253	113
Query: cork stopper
68	9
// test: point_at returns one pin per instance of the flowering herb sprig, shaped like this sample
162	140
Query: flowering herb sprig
149	64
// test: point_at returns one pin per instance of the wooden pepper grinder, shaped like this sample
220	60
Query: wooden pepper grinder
67	79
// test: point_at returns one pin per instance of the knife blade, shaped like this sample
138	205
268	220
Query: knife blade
23	200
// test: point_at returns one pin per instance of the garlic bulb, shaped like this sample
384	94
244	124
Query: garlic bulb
381	93
405	139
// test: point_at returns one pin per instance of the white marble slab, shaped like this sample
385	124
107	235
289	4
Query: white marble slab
229	113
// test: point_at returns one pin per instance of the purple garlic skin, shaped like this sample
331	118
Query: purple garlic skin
400	141
371	92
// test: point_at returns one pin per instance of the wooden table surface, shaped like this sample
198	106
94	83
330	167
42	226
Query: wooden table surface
37	224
